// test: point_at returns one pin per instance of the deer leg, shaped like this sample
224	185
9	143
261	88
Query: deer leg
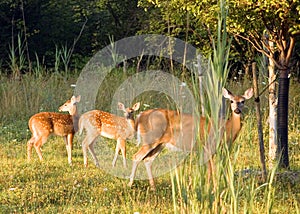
148	165
123	151
149	148
137	158
68	140
135	164
38	144
29	147
116	153
148	160
85	145
92	152
147	153
120	146
88	144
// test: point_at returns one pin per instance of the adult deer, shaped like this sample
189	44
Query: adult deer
44	124
100	123
159	128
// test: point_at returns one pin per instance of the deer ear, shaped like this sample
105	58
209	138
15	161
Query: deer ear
121	107
227	94
78	98
248	93
136	106
75	99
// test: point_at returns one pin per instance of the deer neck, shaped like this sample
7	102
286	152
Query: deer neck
131	122
233	126
75	117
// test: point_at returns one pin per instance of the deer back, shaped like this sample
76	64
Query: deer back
51	122
105	124
168	127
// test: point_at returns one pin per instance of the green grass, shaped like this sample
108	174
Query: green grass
54	187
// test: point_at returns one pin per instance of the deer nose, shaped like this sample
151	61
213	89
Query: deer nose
237	111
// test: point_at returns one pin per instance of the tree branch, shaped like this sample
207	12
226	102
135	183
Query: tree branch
261	50
290	49
76	39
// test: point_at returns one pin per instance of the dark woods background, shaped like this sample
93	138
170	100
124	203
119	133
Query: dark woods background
46	27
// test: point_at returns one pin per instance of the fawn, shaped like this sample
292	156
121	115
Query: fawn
44	124
101	123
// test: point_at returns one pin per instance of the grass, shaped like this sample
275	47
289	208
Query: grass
55	187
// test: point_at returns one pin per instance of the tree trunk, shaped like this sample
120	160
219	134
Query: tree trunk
247	68
259	123
272	112
282	118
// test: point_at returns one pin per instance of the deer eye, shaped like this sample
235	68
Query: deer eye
243	102
231	101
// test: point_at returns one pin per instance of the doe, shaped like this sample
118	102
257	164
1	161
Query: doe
159	128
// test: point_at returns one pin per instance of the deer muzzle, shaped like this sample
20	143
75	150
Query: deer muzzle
237	111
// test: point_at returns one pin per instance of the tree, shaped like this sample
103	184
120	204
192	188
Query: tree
260	23
263	23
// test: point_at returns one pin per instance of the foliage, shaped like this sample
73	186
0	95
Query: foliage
179	19
58	23
255	21
261	21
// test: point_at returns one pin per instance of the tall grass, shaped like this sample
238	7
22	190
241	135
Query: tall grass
17	58
231	190
24	92
197	194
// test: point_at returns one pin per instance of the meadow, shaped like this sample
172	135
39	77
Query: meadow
52	186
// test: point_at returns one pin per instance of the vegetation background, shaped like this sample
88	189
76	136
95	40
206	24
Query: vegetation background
43	47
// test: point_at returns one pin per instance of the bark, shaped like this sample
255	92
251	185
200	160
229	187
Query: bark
286	47
247	70
272	113
282	119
